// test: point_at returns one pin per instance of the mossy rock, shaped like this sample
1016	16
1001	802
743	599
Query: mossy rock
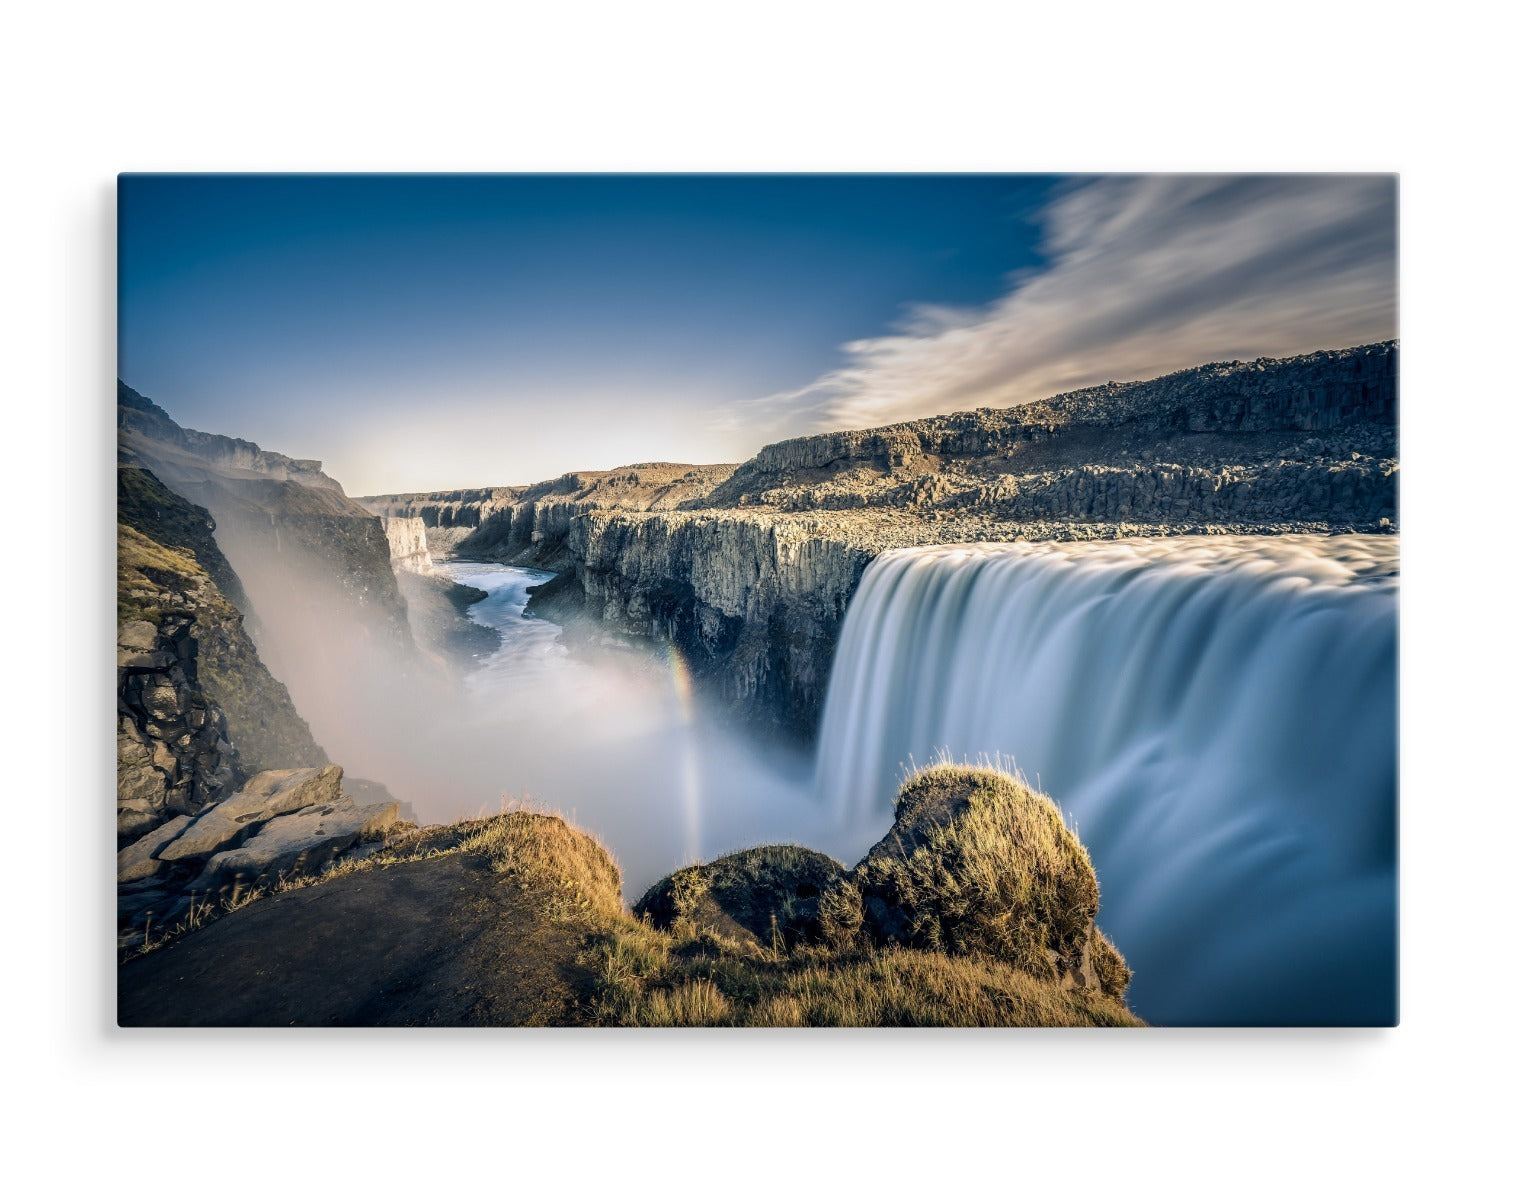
979	863
773	892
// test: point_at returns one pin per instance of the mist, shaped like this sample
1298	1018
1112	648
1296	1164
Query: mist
614	739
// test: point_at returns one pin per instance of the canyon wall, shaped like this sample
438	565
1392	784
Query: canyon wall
748	570
197	711
754	605
407	537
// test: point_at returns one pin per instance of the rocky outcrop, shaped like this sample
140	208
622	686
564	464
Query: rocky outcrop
979	863
976	864
778	935
196	704
278	825
764	896
139	419
265	796
139	860
288	528
302	842
407	537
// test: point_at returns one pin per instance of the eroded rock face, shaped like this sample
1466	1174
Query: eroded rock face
286	525
303	842
265	796
173	755
408	544
178	609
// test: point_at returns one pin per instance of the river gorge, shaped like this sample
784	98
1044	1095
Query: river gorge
1170	606
1215	717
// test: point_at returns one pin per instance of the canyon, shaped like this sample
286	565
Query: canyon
254	596
748	569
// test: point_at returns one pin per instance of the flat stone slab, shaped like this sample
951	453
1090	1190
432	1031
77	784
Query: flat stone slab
301	843
139	860
265	796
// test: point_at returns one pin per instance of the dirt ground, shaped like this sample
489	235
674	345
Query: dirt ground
443	941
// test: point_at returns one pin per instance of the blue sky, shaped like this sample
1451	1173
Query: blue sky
422	332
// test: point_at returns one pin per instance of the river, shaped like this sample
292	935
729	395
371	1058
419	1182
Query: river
1216	716
617	741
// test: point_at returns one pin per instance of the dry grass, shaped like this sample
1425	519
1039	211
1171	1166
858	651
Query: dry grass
402	845
647	978
974	964
977	862
565	870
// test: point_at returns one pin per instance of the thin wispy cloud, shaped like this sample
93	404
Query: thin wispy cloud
1142	275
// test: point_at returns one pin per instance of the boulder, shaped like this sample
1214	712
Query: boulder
139	860
267	795
755	895
978	862
136	635
301	843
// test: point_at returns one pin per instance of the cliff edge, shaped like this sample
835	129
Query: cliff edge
519	919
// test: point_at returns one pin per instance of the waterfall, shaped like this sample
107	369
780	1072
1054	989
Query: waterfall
1216	716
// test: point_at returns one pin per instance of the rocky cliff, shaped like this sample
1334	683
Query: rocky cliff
197	710
977	909
407	537
527	525
138	418
748	570
287	527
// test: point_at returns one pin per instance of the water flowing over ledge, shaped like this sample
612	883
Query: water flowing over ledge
1216	715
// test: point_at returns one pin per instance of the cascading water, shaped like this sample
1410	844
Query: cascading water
1215	715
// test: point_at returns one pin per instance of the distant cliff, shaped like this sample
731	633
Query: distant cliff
748	570
409	550
139	417
288	527
528	524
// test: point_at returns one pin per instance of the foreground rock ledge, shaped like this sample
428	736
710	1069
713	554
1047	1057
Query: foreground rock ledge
519	920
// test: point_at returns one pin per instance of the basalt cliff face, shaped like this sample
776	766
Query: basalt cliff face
528	525
748	570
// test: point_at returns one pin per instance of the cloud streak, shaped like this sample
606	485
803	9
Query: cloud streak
1142	275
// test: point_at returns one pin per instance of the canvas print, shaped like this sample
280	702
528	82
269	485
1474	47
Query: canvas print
757	600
